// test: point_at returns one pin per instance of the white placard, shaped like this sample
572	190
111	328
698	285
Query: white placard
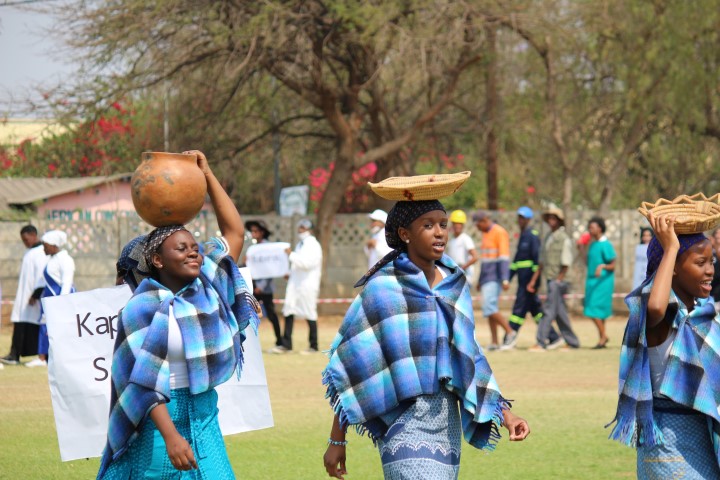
82	330
268	260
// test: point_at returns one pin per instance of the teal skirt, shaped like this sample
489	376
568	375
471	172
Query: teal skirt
195	418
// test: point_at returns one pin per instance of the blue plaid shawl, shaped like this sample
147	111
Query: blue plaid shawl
212	312
401	339
692	374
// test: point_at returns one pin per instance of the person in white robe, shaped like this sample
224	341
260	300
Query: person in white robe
303	287
26	317
376	247
57	279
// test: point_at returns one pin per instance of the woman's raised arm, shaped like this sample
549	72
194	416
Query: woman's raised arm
228	217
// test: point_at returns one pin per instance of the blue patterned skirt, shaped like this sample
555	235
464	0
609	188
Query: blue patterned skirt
195	418
424	442
688	451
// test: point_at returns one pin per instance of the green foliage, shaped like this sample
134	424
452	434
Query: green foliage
103	146
635	88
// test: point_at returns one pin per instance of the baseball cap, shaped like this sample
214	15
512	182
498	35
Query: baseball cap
305	223
525	212
379	215
479	215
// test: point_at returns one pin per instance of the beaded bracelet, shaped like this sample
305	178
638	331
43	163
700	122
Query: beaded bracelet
335	442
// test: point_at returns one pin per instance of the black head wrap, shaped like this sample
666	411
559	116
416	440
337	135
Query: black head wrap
156	238
402	215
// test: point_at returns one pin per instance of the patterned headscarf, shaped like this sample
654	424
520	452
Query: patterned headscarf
156	238
131	263
402	215
655	251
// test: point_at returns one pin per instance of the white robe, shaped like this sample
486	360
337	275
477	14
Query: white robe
31	272
304	282
458	248
380	249
61	268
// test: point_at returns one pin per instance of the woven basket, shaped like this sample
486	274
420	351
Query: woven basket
420	187
693	214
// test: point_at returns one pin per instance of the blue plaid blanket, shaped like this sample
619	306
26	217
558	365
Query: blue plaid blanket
212	312
692	374
401	339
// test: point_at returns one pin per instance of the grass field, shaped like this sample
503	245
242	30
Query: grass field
567	398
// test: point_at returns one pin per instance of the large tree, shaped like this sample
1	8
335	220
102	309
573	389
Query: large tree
374	73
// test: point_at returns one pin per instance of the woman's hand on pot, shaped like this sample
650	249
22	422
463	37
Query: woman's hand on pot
202	162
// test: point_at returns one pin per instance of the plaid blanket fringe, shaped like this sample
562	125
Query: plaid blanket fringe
487	445
635	433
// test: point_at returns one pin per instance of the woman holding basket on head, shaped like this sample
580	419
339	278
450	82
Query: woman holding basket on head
669	360
179	336
405	367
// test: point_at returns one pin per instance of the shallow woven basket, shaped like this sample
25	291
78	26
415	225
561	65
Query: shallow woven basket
420	187
693	214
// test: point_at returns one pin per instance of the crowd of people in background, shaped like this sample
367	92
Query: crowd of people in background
551	257
534	258
47	269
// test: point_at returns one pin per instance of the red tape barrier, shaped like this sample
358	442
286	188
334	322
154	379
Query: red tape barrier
349	300
476	298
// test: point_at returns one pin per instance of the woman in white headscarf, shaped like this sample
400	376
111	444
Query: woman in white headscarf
57	279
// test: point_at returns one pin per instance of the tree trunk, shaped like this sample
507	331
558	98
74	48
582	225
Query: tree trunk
605	199
491	101
567	198
634	139
334	194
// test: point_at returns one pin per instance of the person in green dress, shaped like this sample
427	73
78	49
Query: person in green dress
600	280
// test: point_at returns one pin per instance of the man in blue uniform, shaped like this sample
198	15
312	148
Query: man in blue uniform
524	265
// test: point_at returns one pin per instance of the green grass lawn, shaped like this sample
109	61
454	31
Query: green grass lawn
567	397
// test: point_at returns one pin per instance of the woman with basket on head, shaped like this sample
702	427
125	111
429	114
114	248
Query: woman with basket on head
669	360
405	367
179	336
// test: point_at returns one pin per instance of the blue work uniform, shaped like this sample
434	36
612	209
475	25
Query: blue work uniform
524	265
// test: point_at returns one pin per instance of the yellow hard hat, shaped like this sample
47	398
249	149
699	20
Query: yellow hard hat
458	216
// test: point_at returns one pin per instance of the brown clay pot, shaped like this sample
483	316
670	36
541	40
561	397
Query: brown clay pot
168	188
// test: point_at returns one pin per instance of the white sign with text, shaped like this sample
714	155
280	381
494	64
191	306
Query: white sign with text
268	260
82	328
